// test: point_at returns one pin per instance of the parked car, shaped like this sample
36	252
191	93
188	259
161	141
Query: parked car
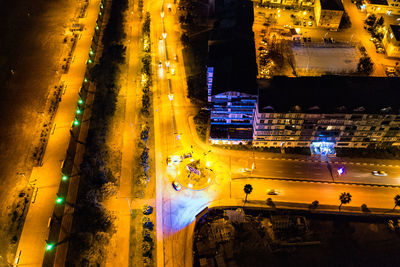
380	50
176	186
379	173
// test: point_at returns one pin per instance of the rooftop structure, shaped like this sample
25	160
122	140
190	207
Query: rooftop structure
396	31
333	4
331	94
377	2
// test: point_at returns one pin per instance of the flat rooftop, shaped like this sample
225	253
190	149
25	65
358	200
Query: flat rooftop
331	94
396	31
378	2
331	5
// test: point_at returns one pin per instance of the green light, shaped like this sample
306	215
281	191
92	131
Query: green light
78	111
64	178
76	122
97	27
49	247
80	101
101	6
86	80
89	61
91	52
100	13
59	200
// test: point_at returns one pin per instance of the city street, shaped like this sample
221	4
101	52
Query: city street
175	133
296	178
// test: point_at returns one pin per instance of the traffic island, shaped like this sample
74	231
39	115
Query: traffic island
195	174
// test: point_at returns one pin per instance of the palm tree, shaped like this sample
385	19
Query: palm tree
344	198
247	190
396	201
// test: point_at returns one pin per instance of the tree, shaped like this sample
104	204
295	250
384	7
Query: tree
108	190
396	201
365	65
344	198
247	190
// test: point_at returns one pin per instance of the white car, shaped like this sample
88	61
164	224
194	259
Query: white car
379	173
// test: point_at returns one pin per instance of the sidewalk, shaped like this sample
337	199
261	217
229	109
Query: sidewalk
321	209
32	242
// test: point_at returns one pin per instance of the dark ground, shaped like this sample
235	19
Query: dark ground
345	241
31	43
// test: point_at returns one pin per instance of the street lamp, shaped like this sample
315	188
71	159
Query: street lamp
64	177
49	246
59	200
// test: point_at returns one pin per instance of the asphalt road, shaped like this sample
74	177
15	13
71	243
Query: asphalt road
317	170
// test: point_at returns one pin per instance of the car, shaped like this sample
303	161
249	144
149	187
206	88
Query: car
272	192
176	186
246	170
390	70
310	23
380	50
160	64
172	71
379	173
187	155
304	24
309	39
171	160
176	57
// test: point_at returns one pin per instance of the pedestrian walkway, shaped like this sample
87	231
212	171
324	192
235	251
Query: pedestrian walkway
31	247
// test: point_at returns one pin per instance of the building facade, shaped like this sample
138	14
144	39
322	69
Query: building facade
391	41
340	130
232	118
328	13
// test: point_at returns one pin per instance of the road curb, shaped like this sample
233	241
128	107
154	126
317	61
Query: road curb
317	181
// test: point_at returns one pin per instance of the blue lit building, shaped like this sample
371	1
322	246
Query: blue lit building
232	118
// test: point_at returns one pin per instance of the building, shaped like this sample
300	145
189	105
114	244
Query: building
391	41
232	118
327	112
328	13
388	7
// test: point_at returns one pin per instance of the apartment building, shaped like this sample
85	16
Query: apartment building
232	118
327	112
328	13
391	41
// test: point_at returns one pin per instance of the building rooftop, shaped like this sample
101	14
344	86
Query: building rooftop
378	2
331	94
332	4
396	31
